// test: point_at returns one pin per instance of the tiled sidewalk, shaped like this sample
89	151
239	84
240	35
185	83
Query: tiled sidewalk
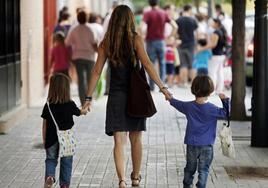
22	159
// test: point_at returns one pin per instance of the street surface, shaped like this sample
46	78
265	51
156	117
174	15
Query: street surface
22	158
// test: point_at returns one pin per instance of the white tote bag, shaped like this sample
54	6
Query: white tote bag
226	139
66	138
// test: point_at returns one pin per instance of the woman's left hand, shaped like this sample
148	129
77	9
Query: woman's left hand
167	94
87	105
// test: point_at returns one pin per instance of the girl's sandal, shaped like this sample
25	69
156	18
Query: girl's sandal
122	184
135	181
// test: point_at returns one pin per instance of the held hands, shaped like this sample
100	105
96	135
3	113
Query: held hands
87	106
83	111
168	95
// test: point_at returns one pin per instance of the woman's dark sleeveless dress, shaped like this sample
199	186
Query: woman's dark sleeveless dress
117	119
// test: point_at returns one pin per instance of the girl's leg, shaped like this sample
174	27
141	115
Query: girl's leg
136	152
51	161
119	154
66	164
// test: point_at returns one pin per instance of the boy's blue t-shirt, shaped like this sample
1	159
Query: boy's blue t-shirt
201	120
201	59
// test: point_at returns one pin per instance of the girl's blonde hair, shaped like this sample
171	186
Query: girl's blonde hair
119	39
59	89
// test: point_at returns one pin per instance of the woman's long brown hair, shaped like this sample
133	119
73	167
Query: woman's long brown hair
118	41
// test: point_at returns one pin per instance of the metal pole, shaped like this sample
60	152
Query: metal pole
259	128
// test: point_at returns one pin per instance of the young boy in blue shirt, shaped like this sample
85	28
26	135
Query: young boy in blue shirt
202	58
200	134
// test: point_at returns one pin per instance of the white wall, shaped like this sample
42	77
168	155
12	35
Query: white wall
32	48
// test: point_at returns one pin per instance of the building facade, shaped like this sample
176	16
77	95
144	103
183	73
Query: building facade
25	41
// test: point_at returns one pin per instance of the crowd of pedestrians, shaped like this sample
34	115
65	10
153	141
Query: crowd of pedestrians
180	44
185	44
182	47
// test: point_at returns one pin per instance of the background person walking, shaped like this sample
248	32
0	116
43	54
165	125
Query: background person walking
81	39
60	55
156	19
217	44
186	27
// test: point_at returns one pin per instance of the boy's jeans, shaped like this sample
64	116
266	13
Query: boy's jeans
198	158
65	165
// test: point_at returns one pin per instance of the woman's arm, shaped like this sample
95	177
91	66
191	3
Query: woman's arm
95	74
144	59
44	131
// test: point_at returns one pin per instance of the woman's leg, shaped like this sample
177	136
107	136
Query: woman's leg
212	70
136	152
119	154
220	84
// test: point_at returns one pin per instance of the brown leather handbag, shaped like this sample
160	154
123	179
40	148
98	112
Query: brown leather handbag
139	102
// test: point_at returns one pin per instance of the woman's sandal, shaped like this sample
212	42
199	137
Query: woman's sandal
135	181
122	182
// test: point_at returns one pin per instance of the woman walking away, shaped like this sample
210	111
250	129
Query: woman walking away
120	46
63	109
217	44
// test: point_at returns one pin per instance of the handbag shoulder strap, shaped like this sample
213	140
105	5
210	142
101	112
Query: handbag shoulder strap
52	116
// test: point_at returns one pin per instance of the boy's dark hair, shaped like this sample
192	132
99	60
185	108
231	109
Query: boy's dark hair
153	3
202	42
187	7
82	17
202	86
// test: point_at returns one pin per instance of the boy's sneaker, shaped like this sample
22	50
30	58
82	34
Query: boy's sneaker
49	182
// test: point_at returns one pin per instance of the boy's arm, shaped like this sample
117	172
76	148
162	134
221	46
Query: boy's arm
179	105
44	131
224	111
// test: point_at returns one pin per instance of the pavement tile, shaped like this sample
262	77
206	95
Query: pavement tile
22	159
